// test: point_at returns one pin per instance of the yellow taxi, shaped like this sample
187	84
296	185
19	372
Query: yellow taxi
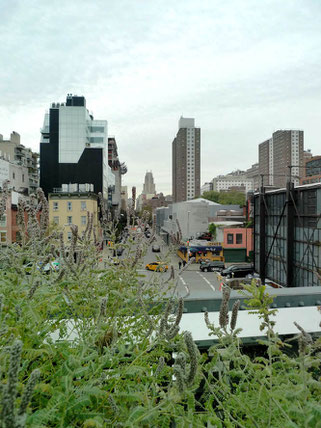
157	267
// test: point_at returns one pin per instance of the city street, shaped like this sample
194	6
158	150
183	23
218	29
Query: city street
191	283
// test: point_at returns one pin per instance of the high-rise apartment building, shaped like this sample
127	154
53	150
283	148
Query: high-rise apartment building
149	185
186	159
73	147
280	157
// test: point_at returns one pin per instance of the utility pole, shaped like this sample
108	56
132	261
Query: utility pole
262	250
289	230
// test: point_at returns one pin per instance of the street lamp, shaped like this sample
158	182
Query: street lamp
188	213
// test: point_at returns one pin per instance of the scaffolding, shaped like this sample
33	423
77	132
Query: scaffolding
287	235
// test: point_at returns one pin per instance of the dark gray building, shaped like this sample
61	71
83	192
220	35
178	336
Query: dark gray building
186	161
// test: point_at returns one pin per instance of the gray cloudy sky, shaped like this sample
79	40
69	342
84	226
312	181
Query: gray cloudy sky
242	68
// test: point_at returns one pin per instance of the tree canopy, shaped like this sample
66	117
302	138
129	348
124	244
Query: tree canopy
225	198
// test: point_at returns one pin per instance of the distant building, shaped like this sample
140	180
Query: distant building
186	157
237	180
124	197
277	154
118	170
307	154
9	229
73	147
194	217
238	237
254	174
17	175
68	208
156	201
312	170
207	187
149	185
19	165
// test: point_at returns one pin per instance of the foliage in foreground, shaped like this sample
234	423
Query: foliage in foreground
94	345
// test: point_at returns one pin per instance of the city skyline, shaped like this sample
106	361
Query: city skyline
242	74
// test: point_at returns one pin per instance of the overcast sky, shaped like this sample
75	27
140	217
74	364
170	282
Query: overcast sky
241	68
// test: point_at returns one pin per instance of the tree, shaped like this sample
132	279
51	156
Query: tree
225	198
212	229
211	195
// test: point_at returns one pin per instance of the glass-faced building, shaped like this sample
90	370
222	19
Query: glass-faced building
73	147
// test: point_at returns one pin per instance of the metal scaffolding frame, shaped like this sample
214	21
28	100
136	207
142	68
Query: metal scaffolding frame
293	217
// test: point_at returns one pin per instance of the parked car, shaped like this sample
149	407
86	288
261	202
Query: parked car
238	271
214	266
156	248
157	267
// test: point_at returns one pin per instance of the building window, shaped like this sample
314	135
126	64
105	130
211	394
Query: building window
239	238
83	206
55	206
3	220
3	238
69	236
56	220
69	206
69	220
83	220
230	238
13	175
23	178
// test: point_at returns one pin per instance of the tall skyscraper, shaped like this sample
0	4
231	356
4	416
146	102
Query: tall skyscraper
149	185
73	147
277	154
186	158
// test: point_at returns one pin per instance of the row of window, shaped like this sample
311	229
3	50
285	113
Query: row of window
238	238
22	177
83	205
83	220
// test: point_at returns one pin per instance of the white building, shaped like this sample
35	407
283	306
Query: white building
23	164
234	180
17	176
192	217
207	187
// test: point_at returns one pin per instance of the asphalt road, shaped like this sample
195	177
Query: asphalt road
191	283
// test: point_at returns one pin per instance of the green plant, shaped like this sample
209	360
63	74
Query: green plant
95	345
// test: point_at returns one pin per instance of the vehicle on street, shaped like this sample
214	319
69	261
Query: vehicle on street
157	267
215	266
238	271
156	248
